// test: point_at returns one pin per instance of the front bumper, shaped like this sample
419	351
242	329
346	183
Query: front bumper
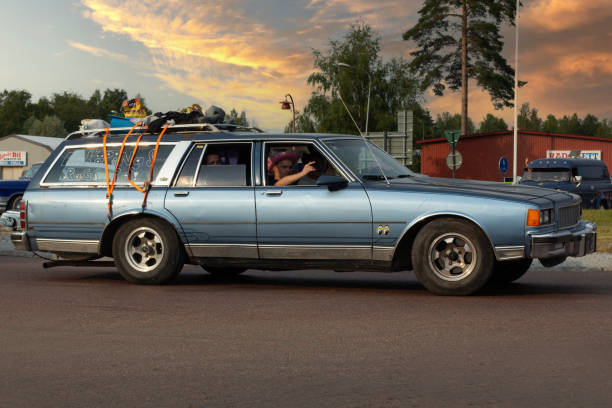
579	241
20	240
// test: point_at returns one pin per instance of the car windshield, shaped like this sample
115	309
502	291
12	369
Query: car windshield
355	154
552	174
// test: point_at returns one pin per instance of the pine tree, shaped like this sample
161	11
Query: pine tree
460	39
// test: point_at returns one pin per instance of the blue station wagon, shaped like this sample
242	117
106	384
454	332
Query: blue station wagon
230	201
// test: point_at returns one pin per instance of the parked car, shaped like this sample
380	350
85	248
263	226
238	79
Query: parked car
11	191
232	201
588	178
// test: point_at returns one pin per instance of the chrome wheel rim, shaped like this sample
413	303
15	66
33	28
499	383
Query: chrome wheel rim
452	257
144	249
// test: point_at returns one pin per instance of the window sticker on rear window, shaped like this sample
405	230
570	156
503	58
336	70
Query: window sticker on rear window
85	165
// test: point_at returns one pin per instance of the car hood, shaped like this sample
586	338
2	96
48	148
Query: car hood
487	189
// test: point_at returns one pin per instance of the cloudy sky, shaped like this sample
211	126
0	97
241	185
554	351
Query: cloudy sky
248	54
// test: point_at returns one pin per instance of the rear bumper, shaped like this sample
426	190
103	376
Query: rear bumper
579	241
20	240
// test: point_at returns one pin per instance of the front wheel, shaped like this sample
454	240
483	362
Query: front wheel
147	251
452	257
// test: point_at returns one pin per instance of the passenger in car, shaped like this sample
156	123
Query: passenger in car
213	159
281	167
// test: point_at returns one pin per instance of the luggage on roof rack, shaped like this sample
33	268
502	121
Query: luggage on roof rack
185	128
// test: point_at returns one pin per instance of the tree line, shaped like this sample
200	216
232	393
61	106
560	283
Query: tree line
62	113
529	120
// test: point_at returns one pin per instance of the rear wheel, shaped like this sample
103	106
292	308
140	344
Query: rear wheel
509	271
452	257
147	251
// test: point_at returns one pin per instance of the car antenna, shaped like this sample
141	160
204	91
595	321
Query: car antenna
364	139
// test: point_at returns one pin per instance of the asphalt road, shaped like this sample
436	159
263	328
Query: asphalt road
84	337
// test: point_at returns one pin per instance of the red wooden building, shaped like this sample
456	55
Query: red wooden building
481	153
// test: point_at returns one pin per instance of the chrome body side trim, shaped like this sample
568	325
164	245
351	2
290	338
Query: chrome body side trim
382	253
224	250
505	253
67	245
353	252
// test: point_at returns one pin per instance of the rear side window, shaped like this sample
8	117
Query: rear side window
217	165
85	165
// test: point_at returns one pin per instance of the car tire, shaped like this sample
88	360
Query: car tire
223	272
14	203
147	251
509	271
452	257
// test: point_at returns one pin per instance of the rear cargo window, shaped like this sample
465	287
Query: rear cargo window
85	165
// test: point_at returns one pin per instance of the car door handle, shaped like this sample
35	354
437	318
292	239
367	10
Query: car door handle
181	193
274	192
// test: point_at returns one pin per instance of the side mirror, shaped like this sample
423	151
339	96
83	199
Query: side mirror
333	183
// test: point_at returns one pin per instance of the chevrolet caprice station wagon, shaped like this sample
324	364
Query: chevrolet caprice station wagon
230	201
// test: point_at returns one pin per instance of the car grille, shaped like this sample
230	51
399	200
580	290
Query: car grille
569	216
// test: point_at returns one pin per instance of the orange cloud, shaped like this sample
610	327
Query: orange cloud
558	15
99	52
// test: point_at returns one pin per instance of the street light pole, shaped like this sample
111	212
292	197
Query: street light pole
516	43
285	105
342	64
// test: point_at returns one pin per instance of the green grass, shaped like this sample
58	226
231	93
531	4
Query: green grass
603	219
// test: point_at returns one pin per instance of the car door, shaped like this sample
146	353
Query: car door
213	200
308	221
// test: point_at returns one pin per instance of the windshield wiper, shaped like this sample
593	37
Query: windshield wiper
403	175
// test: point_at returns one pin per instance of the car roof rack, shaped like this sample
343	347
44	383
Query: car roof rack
182	128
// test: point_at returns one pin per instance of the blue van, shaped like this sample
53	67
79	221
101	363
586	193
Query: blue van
588	178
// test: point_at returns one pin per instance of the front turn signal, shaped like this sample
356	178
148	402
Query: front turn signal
533	218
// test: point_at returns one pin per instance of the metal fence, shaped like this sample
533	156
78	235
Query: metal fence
399	143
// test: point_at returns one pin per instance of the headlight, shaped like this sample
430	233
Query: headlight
536	218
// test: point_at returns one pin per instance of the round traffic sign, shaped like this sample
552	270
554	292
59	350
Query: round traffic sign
458	160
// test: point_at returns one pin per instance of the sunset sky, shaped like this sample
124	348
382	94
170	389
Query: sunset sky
248	54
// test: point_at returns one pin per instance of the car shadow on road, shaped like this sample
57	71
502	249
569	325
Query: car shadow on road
403	281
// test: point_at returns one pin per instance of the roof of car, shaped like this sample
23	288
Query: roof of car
205	136
564	162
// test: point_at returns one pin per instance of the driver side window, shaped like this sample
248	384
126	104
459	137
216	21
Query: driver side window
295	164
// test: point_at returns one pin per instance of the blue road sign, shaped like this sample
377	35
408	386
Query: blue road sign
503	165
